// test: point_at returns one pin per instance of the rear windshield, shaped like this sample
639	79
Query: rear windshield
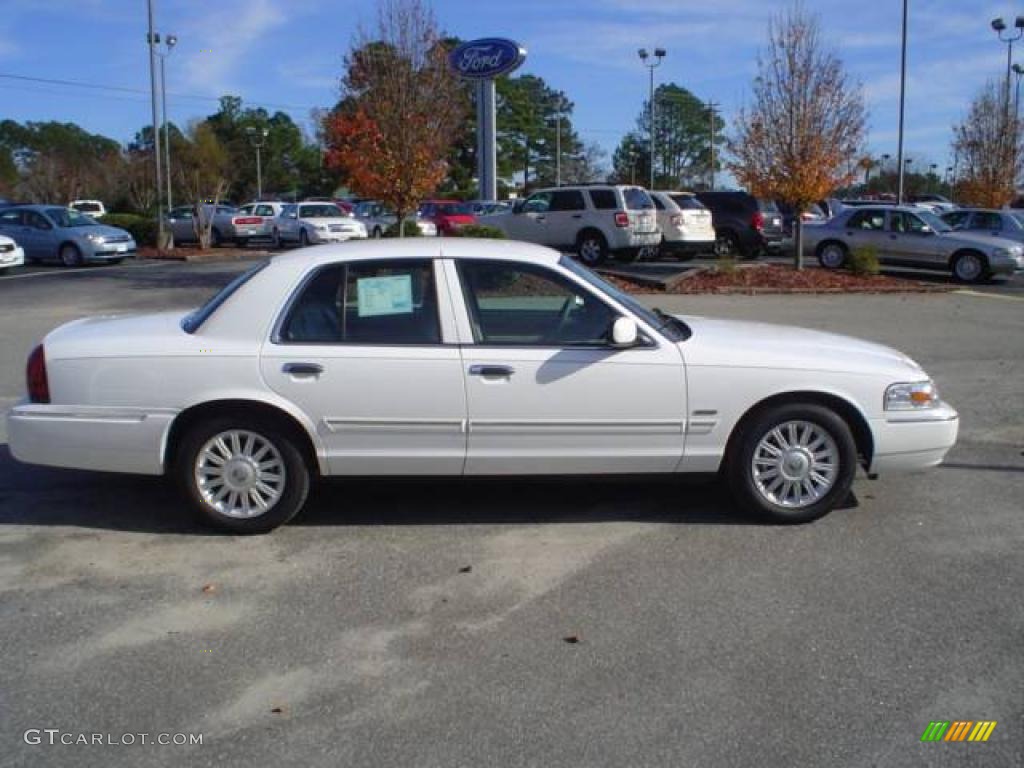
325	211
687	202
194	320
637	199
87	207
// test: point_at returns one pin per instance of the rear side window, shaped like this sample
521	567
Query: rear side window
602	199
379	302
193	321
567	200
637	199
657	203
869	218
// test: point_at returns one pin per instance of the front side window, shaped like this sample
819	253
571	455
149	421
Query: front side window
383	303
288	211
68	217
513	304
39	221
324	211
992	222
957	219
538	203
10	219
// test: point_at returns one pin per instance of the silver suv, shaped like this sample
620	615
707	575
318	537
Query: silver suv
594	221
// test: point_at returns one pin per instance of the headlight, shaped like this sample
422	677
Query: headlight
913	396
320	227
97	239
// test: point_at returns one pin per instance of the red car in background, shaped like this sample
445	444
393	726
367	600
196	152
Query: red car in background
447	215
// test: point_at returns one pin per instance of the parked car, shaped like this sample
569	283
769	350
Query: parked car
813	215
378	219
524	363
310	223
230	224
94	208
685	224
998	223
447	215
908	236
939	203
487	207
595	221
53	233
11	254
745	226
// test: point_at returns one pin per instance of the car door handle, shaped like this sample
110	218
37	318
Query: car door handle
491	370
540	218
577	215
894	237
303	369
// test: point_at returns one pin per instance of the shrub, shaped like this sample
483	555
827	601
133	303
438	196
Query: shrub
864	260
479	230
726	265
411	228
142	228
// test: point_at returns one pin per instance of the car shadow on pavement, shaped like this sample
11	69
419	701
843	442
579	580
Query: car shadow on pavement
44	496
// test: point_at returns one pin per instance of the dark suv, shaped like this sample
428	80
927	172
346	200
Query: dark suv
744	225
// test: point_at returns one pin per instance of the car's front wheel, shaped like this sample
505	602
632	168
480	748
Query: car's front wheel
970	267
591	247
242	477
832	255
70	255
792	463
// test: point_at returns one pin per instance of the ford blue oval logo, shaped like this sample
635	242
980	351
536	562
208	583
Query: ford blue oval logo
486	58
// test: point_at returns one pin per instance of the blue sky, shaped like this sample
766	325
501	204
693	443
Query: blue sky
288	54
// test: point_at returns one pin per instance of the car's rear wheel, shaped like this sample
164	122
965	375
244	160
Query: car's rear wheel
727	245
970	267
792	463
70	255
242	476
377	234
832	255
303	238
591	247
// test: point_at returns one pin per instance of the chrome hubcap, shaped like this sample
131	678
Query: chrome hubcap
795	464
832	256
590	251
968	267
240	473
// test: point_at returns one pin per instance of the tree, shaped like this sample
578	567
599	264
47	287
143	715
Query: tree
987	142
205	172
682	133
807	118
401	109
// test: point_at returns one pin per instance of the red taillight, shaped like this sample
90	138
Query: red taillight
758	221
247	220
38	386
621	219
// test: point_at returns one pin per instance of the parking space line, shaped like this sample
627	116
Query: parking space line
983	295
86	271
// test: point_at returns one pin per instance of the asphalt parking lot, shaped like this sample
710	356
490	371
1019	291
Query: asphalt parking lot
428	623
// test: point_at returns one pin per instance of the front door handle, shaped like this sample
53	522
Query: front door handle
303	369
491	370
577	215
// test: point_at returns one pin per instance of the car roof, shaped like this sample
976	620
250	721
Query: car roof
421	248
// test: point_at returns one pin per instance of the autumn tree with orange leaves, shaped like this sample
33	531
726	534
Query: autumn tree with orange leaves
988	142
807	119
400	110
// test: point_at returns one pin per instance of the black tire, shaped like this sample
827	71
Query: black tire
740	473
241	242
832	254
70	255
377	234
970	267
303	239
591	247
295	482
727	245
276	238
216	238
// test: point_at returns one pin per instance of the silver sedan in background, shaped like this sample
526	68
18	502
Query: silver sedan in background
987	221
378	219
913	237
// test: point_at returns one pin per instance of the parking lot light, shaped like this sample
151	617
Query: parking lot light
258	137
659	54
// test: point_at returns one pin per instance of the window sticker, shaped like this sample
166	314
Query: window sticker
384	295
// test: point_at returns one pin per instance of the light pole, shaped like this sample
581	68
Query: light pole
999	27
712	106
933	177
258	137
659	54
885	162
903	101
169	42
151	39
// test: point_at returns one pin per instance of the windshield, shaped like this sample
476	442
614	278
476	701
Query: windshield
674	329
933	221
325	211
68	217
195	319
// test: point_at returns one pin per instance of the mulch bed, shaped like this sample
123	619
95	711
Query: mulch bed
183	253
751	279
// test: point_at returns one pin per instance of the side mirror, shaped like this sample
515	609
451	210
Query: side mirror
926	230
624	333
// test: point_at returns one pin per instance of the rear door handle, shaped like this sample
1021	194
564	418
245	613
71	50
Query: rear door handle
577	215
491	370
303	369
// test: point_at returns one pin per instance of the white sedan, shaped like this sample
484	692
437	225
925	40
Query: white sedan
11	254
312	223
465	357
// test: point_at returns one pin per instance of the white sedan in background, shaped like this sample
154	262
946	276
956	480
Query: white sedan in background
11	254
313	223
465	357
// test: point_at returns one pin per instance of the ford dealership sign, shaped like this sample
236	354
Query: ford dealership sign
486	58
